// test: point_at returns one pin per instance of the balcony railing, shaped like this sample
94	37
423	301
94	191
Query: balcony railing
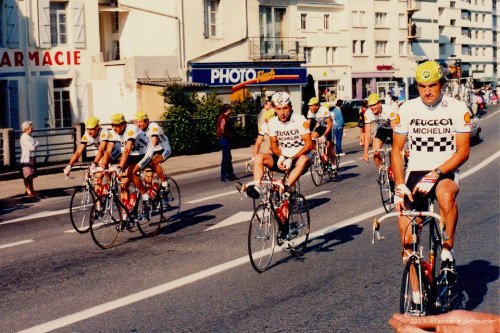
276	48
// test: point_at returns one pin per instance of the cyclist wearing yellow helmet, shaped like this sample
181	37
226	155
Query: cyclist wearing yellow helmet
438	132
383	116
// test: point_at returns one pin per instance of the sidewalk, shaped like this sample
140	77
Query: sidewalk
52	182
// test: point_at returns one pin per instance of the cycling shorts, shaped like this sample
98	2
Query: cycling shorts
276	169
321	131
420	202
384	135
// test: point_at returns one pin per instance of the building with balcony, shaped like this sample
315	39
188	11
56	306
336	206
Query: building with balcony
460	34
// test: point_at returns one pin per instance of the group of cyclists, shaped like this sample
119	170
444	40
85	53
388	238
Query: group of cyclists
435	128
126	149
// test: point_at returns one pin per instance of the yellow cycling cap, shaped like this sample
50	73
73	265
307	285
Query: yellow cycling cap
141	115
118	119
429	71
373	99
92	122
313	100
269	114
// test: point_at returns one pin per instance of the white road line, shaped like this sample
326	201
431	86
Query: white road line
37	216
212	197
163	288
479	166
15	244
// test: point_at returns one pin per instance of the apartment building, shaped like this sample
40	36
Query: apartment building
461	34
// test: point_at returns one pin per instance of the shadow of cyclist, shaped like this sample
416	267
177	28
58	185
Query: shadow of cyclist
335	238
472	283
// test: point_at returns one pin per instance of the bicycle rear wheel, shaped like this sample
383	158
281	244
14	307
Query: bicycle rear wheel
105	221
299	223
385	191
171	204
150	216
316	168
415	289
80	207
262	237
443	291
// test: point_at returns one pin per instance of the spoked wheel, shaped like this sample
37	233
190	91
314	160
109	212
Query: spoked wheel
385	191
105	221
415	290
80	207
299	223
441	286
171	204
149	216
316	169
262	237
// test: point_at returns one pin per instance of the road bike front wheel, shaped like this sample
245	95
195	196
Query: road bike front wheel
262	237
80	207
150	216
106	221
299	223
385	191
415	290
316	168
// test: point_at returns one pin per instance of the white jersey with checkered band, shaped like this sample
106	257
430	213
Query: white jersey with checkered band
289	134
103	135
321	116
135	134
155	130
431	131
383	120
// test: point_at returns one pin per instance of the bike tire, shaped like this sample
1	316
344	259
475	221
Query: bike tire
149	217
106	221
406	304
262	237
385	191
316	169
299	223
80	207
171	205
443	292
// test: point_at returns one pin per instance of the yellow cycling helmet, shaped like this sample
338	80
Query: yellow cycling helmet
429	71
373	99
92	122
269	114
313	101
141	115
118	119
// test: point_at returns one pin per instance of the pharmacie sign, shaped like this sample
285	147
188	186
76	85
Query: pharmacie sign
12	59
238	78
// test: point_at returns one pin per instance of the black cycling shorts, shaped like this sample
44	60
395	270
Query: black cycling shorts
384	135
420	202
276	169
321	131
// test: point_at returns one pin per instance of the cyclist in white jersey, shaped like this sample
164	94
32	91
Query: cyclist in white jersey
438	131
383	116
160	143
96	137
323	124
134	146
290	145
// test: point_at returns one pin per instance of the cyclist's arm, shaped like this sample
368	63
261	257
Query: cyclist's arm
126	153
100	151
77	154
274	146
329	126
393	124
307	146
460	156
258	143
398	142
368	134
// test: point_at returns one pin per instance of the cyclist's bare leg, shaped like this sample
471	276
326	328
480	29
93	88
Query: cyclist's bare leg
330	149
377	144
446	193
156	166
301	164
132	171
405	232
261	160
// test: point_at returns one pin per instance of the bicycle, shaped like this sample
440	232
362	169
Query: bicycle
385	179
110	216
83	198
433	288
322	164
170	196
281	218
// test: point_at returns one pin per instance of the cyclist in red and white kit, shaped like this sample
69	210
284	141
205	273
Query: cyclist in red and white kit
438	131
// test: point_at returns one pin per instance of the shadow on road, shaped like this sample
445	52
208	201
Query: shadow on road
335	238
473	280
21	201
190	217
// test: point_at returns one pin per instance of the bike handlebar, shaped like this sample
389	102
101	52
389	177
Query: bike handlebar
266	182
385	150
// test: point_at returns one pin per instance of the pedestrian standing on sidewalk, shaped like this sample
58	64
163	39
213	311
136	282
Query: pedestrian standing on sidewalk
225	133
28	168
361	123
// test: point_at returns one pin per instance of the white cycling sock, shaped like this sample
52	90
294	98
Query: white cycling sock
416	297
145	196
164	184
446	254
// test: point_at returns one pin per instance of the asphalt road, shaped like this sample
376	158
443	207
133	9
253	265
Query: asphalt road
190	279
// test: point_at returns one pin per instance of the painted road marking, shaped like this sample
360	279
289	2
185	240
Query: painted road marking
37	216
15	244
